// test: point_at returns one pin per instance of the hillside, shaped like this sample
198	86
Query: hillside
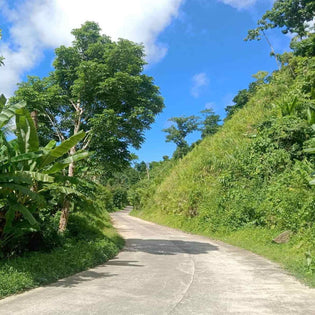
250	181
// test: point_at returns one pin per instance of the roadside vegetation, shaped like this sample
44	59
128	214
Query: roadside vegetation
62	140
252	179
66	163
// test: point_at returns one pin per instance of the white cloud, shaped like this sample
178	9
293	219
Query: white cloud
43	24
199	80
239	4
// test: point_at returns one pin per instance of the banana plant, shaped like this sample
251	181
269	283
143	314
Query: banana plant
311	150
311	120
28	172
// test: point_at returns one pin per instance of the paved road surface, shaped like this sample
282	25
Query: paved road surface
165	271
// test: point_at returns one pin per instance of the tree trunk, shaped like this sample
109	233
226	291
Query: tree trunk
34	116
273	53
71	165
66	203
64	215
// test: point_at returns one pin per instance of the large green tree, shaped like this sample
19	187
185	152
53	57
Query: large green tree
97	86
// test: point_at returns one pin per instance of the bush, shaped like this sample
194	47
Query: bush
120	198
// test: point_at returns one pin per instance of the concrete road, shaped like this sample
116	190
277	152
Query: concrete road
165	271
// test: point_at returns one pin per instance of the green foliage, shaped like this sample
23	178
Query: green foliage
243	96
120	198
42	97
25	186
254	173
184	126
288	105
304	47
92	242
292	16
97	97
210	124
177	134
97	86
239	102
141	193
32	189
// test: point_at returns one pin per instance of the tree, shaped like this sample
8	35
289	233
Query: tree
178	133
106	92
97	86
292	16
210	123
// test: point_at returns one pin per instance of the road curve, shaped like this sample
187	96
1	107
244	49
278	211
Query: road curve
165	271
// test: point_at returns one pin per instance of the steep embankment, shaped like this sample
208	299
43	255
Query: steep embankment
250	181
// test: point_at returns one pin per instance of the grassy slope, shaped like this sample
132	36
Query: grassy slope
93	241
188	197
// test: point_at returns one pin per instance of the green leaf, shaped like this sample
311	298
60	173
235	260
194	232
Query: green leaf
26	214
27	156
26	132
17	207
10	149
9	112
51	144
75	181
63	190
9	217
24	191
17	178
62	149
3	101
41	177
64	163
310	150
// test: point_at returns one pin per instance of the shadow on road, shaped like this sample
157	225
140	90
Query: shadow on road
150	246
84	276
91	275
168	247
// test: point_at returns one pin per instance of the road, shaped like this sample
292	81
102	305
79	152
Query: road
165	271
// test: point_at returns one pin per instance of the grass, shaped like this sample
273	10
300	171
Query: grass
78	252
252	172
290	256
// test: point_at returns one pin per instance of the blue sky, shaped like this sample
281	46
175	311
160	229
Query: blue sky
195	48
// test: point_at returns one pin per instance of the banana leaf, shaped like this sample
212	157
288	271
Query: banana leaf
61	149
9	112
